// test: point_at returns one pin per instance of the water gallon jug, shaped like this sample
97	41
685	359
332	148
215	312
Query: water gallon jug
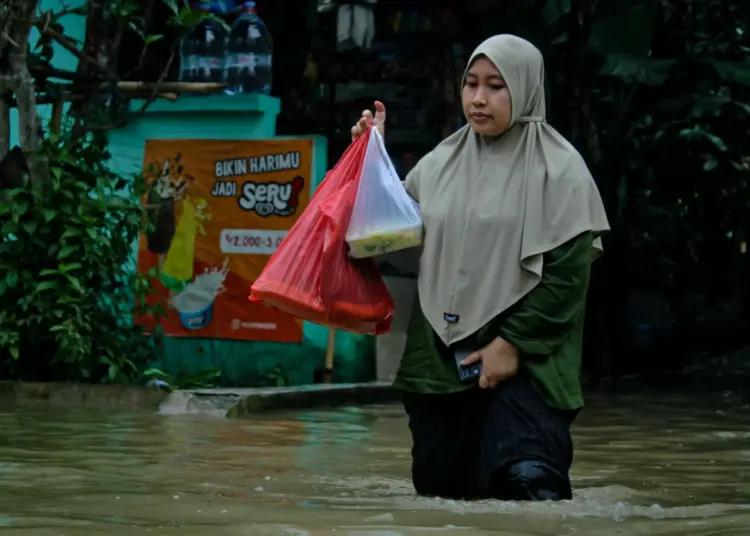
203	51
249	53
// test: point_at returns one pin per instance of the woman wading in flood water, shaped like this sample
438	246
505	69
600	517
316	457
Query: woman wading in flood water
512	222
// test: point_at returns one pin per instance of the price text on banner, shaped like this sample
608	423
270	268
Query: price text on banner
251	241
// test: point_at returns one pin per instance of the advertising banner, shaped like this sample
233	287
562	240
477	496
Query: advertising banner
218	209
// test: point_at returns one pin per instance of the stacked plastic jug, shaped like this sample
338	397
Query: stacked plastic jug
241	57
249	54
203	50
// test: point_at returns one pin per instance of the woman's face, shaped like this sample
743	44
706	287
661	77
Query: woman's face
486	99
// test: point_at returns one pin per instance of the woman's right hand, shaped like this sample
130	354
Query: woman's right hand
367	120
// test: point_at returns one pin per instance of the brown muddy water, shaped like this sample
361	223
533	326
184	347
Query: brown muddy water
651	463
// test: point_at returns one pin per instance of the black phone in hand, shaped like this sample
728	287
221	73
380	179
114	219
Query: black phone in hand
466	373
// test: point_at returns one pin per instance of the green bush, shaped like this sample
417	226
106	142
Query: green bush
68	283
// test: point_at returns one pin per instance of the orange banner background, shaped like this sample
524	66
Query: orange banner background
240	199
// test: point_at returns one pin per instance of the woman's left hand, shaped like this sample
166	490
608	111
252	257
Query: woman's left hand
499	362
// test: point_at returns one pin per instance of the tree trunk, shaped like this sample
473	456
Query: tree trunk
17	78
102	42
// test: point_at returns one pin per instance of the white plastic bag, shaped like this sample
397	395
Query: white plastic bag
384	218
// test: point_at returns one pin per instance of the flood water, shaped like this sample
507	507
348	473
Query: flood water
650	463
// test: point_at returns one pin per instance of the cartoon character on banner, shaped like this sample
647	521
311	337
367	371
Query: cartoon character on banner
174	244
160	204
178	267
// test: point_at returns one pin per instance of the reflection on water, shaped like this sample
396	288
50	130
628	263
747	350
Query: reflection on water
656	463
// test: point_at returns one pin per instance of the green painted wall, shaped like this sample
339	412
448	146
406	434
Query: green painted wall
244	363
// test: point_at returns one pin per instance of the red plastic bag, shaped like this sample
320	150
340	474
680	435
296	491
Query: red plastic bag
312	277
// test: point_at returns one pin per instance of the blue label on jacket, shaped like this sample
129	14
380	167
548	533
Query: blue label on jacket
451	318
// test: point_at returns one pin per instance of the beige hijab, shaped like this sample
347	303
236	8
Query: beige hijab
493	207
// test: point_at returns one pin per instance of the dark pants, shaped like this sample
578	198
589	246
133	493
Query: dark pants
503	443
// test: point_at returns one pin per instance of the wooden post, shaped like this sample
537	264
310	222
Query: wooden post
55	123
330	350
4	123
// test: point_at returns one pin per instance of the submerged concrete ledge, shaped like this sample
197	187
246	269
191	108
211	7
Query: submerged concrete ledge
237	403
80	395
218	402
